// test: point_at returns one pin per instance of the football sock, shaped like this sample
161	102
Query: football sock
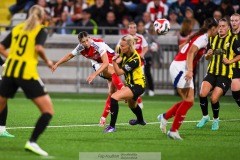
236	96
204	105
138	112
215	109
3	116
139	100
180	115
117	82
172	111
107	108
114	112
40	126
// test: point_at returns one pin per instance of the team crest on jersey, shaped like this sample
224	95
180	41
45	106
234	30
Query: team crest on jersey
238	49
127	67
227	44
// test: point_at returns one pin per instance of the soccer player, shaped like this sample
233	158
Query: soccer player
3	115
223	50
235	85
141	48
127	62
26	42
181	71
100	55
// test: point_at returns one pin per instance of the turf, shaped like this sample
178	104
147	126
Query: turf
76	130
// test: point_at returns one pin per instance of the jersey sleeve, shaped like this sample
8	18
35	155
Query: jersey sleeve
236	47
201	41
7	41
100	47
130	66
41	37
77	50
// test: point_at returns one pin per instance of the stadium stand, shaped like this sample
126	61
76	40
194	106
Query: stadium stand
5	14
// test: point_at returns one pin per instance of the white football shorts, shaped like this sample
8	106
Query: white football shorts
177	72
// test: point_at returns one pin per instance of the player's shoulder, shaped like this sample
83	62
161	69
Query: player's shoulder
80	48
96	40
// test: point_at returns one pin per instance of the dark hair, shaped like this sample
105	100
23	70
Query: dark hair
207	24
225	20
82	35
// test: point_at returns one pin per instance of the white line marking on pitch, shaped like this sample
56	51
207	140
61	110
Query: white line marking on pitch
119	124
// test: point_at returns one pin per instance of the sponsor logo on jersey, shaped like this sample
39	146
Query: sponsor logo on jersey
127	67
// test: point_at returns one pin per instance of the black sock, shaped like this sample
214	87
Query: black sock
215	109
3	116
204	105
40	126
138	112
113	111
236	96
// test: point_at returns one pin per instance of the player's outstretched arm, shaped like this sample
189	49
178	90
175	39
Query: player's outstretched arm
66	58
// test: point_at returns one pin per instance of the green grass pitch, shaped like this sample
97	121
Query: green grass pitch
74	128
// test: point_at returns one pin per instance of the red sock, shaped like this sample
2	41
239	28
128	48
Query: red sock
180	115
172	111
117	82
107	108
139	100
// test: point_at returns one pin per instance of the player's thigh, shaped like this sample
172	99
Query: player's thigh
123	94
44	104
8	87
32	88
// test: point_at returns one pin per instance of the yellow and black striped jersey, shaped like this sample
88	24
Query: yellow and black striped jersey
132	68
237	64
22	60
225	47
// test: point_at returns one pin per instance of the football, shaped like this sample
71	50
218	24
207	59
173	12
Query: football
161	26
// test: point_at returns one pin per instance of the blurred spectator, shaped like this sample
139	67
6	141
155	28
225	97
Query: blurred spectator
99	12
185	31
24	5
226	8
111	22
180	8
131	4
51	3
204	10
119	9
48	22
235	4
195	2
62	23
56	12
76	11
174	25
190	15
157	9
124	25
90	2
43	3
169	2
141	8
217	2
149	36
217	14
132	7
86	21
147	20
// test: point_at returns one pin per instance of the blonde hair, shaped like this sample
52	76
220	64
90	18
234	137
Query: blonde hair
130	41
36	14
